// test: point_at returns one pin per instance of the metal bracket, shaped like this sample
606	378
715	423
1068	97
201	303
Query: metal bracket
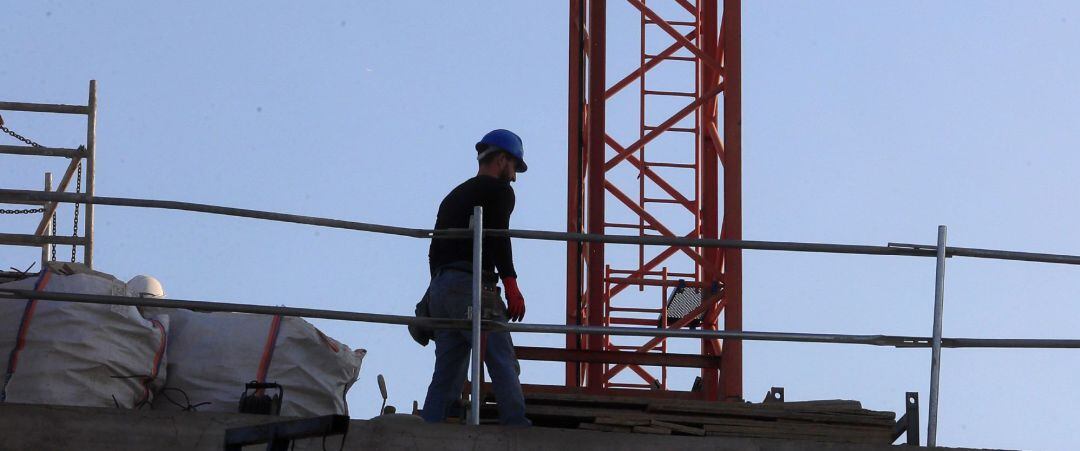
776	394
909	423
930	249
278	436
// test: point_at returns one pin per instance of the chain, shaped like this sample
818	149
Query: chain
18	136
75	227
24	211
53	247
78	189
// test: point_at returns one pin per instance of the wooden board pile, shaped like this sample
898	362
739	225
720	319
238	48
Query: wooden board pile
831	420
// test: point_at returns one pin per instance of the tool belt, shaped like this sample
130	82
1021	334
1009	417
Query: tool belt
492	306
486	277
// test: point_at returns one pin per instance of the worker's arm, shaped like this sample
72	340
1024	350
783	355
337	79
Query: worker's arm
498	217
504	255
431	262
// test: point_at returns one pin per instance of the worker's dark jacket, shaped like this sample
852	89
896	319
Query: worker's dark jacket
497	198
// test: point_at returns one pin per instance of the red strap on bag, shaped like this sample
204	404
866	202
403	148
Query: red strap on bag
268	349
24	325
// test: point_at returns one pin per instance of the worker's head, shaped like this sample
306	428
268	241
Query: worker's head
501	154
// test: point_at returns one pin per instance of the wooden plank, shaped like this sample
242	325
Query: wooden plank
829	404
530	389
854	434
18	239
833	420
50	208
825	404
881	439
770	410
802	428
832	405
731	426
624	421
585	400
689	430
44	108
730	409
604	427
592	413
42	151
651	430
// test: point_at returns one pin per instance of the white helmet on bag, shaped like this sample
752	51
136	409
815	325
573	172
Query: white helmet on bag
145	287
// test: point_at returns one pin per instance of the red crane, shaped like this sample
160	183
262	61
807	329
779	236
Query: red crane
656	172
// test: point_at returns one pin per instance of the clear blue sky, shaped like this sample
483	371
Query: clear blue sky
865	122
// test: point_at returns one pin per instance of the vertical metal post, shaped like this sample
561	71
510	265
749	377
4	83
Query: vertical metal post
91	132
595	176
731	368
708	191
935	359
911	416
46	248
478	236
574	190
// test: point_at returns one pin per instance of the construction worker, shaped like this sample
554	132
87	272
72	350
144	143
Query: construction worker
501	156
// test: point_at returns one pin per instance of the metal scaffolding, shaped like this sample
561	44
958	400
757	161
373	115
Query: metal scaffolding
42	236
936	342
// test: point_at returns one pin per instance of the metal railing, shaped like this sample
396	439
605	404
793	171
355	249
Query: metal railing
940	252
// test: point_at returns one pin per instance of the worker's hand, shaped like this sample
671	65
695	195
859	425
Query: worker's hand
515	302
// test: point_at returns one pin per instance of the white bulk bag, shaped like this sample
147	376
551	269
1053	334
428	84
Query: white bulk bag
79	354
213	355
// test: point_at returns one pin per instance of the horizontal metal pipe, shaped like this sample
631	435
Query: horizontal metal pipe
204	306
1041	343
438	323
951	251
1013	255
24	196
15	239
44	108
874	340
42	151
693	242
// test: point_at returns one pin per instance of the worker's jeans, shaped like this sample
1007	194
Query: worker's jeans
451	297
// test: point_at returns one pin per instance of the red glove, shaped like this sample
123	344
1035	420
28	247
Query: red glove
515	302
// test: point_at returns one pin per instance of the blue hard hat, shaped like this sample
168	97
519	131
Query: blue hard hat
506	141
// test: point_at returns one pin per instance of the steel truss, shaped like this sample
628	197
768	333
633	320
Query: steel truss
666	178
